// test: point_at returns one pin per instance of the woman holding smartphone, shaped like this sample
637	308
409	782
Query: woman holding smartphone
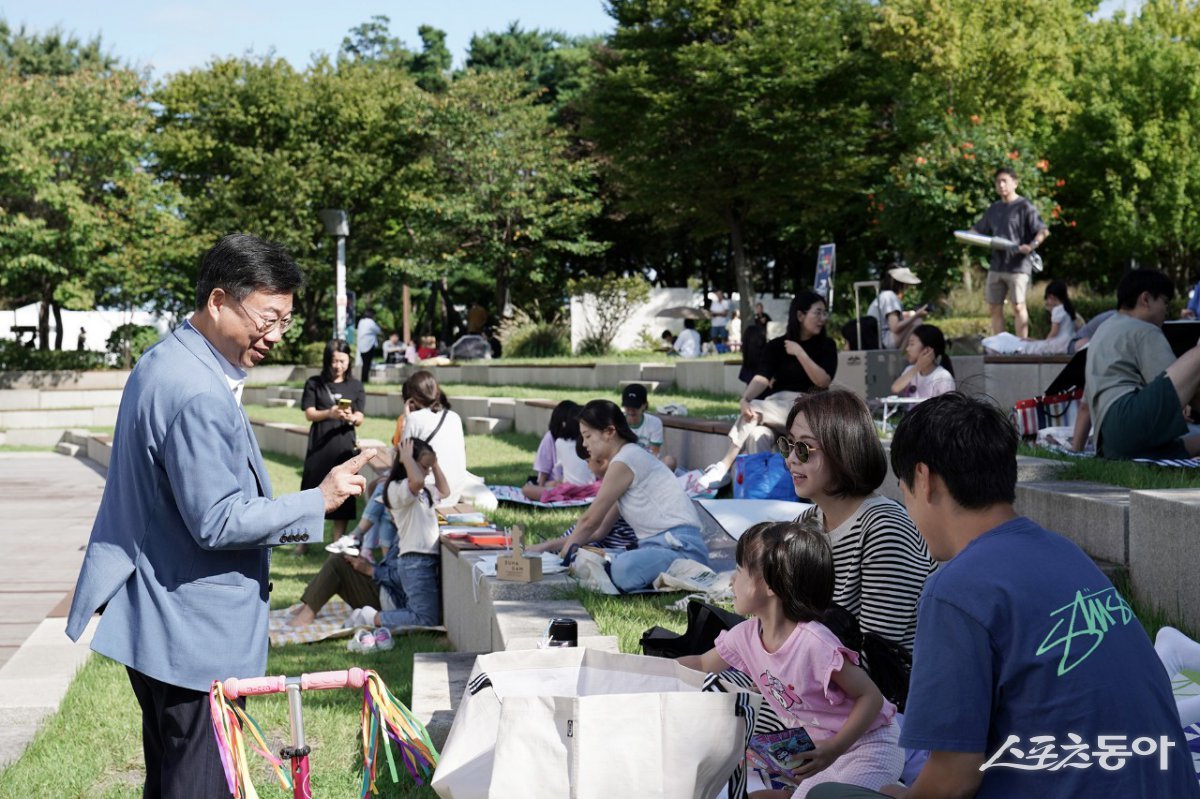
333	402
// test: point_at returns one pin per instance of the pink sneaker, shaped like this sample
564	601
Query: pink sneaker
383	639
363	641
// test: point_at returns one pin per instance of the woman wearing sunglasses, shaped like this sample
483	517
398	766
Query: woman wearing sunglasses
880	561
802	359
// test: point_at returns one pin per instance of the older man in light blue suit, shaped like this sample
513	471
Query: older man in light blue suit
179	559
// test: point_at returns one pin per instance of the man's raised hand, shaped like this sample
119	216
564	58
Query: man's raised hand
344	481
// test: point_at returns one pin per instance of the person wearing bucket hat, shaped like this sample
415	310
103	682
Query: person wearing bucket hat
895	324
1015	218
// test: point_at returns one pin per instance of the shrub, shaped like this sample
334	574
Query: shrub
593	345
16	358
128	342
312	354
537	340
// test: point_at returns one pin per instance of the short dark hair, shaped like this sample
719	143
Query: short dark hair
334	345
564	417
240	263
599	414
1138	280
845	431
969	442
801	303
690	324
1006	170
796	563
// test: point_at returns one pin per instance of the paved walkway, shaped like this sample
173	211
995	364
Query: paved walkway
47	504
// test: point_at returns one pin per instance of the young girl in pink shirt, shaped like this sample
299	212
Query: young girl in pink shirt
784	579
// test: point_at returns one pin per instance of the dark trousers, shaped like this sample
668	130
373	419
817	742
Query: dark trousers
339	577
367	357
182	760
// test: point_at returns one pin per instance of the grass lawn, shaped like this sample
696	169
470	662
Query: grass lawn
1120	473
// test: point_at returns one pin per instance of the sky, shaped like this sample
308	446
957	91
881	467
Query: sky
173	35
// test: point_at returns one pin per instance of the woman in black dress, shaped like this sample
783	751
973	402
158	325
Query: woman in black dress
333	401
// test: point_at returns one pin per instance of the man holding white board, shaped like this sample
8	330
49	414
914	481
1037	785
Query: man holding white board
1015	218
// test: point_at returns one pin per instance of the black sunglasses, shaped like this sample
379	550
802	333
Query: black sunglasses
802	449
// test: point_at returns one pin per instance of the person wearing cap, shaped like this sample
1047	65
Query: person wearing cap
647	427
1014	218
895	324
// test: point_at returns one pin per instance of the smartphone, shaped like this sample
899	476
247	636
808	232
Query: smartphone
344	404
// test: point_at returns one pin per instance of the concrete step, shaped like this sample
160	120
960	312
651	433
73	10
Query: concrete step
280	402
67	448
486	425
438	682
651	385
1117	573
60	418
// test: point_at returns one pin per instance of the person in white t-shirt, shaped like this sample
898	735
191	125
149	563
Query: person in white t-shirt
1062	323
643	491
718	310
687	344
930	372
647	427
895	324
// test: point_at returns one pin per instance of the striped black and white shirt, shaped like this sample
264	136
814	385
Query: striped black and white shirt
880	564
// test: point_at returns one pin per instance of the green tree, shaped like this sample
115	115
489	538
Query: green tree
723	118
372	42
946	183
80	216
553	63
1132	152
1008	61
255	145
51	53
497	197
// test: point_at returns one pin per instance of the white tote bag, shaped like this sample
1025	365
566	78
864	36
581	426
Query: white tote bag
584	724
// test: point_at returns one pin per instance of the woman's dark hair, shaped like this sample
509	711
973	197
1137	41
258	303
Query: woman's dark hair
564	420
422	388
1058	290
240	263
399	472
969	443
796	563
845	431
931	336
754	341
1138	280
599	414
334	345
801	304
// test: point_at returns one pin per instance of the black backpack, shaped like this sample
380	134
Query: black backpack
887	663
705	623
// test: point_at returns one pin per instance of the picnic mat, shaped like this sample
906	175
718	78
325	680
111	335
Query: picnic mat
331	622
513	494
1054	444
688	481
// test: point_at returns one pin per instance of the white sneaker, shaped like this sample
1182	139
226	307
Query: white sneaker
714	476
346	545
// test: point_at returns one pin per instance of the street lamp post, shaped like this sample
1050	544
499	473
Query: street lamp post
337	225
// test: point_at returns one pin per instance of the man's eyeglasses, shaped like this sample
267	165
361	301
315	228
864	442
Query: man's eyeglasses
802	449
264	325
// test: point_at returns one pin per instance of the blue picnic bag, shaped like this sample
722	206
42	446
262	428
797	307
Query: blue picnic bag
762	475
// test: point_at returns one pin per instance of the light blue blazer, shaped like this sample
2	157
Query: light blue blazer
179	550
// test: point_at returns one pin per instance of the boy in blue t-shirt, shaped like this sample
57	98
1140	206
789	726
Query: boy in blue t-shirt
1031	676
